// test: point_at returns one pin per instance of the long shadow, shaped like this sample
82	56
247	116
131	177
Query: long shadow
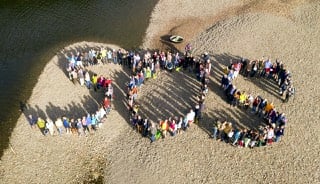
240	117
72	110
119	102
172	100
168	102
156	104
223	60
177	96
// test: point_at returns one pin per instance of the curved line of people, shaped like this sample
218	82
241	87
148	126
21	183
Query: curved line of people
86	124
275	120
63	125
150	66
145	70
263	68
222	130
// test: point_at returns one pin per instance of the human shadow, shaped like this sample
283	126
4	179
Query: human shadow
156	104
170	99
222	61
118	103
239	116
171	94
73	110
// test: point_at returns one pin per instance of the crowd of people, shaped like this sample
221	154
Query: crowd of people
275	121
263	68
88	123
84	125
147	66
223	130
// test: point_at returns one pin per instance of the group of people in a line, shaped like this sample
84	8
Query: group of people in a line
87	123
173	125
264	68
97	56
265	135
74	125
78	73
147	66
275	120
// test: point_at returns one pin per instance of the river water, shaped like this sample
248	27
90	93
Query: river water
33	31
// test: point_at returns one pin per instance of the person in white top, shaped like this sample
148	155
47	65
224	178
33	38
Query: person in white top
50	126
179	124
87	80
270	135
190	117
267	67
59	125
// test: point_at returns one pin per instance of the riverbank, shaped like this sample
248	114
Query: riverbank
290	35
234	29
34	158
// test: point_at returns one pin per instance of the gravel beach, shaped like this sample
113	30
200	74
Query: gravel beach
226	29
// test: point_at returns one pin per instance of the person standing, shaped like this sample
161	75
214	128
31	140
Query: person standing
59	125
32	121
270	135
93	122
190	117
215	129
42	125
50	126
87	80
279	133
153	130
95	81
88	122
66	125
109	55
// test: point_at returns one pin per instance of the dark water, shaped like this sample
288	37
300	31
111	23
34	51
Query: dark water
33	30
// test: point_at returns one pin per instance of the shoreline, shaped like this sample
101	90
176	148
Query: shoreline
252	30
29	148
222	41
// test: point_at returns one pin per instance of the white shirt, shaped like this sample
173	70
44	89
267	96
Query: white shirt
49	124
191	115
59	123
270	134
267	64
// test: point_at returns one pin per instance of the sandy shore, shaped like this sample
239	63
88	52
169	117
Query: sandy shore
235	29
226	29
66	159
